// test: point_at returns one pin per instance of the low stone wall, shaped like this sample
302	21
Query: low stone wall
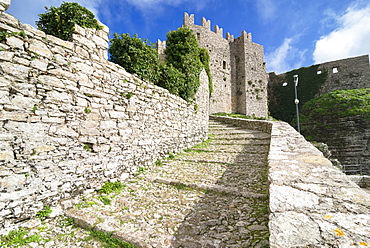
70	120
312	203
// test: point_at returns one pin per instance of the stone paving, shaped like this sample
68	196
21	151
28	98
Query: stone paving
213	195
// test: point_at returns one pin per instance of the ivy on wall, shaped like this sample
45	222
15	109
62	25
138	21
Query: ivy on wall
205	59
281	99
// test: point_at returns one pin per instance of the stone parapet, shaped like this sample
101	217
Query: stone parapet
4	5
312	203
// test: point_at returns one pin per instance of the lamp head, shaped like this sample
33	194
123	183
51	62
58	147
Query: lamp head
295	77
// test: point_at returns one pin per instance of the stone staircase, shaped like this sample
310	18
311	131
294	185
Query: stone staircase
212	195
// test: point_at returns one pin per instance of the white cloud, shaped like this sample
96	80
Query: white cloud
351	38
27	11
266	8
286	57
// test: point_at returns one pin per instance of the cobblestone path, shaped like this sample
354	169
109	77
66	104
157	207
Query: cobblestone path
212	195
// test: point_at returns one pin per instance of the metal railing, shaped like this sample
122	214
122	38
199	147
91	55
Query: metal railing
353	169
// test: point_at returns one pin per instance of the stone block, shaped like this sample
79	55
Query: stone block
291	229
26	103
7	56
15	42
4	97
108	125
19	71
4	5
40	48
6	155
52	81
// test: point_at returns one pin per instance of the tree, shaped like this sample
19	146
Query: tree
135	55
183	53
61	21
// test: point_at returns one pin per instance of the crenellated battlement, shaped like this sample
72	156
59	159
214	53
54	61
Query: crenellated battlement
206	24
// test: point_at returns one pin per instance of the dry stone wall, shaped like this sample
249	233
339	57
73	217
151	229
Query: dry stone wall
311	202
70	120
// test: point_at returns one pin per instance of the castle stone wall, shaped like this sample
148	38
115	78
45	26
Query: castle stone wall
237	67
251	78
70	120
219	51
345	74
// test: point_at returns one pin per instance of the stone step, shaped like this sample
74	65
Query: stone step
234	148
213	195
226	158
239	136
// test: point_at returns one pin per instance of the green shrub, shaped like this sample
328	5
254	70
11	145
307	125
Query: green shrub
171	78
61	21
135	55
183	53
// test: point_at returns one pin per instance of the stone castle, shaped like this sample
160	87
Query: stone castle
237	66
71	120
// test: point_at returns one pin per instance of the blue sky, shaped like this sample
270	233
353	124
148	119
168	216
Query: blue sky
294	33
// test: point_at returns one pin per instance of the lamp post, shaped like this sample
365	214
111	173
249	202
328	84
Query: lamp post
296	101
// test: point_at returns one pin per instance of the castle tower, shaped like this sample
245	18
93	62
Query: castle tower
237	67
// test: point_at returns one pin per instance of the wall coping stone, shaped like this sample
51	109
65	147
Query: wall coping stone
312	203
4	5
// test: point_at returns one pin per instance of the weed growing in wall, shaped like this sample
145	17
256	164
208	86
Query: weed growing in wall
60	21
158	162
6	34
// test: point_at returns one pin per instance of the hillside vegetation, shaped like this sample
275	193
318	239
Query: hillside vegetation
326	111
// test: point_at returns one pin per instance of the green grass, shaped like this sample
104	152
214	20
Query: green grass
110	187
107	240
204	144
17	238
45	212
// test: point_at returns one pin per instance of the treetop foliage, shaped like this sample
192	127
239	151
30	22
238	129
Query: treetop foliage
60	21
135	55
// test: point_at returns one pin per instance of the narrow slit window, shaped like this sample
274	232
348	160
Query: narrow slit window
224	65
319	72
